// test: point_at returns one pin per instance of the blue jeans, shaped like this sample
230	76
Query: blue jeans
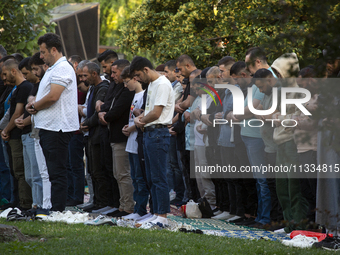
140	192
76	171
32	174
5	176
156	146
174	170
256	155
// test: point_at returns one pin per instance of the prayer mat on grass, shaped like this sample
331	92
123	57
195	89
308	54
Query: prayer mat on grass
250	234
209	224
223	228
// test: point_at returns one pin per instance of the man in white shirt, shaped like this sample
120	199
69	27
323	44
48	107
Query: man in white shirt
159	109
55	113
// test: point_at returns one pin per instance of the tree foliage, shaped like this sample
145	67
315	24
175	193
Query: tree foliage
209	30
21	24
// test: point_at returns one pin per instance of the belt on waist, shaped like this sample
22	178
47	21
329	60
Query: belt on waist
152	127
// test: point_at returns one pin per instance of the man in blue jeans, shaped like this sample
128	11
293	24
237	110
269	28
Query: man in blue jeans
159	109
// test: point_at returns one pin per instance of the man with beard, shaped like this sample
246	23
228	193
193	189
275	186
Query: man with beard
254	144
186	67
91	76
75	173
106	59
27	71
158	114
11	74
116	117
38	67
56	114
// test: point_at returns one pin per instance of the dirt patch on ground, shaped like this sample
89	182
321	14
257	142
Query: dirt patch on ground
12	233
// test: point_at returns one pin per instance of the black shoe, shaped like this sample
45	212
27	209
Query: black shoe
242	219
256	225
72	202
275	226
113	214
329	243
176	201
246	222
120	214
91	208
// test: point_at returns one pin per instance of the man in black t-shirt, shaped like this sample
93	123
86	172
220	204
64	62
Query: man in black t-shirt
11	133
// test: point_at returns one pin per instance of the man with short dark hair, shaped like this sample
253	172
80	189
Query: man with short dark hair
75	60
158	114
170	73
75	173
174	166
11	73
256	59
224	65
56	114
106	59
26	70
38	68
186	67
252	139
37	65
116	118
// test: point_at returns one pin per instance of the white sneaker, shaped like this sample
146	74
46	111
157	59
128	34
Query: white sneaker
148	219
146	216
5	213
131	216
160	219
100	220
301	241
234	218
110	210
172	195
281	230
223	216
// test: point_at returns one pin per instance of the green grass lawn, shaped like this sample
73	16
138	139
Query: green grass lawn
62	238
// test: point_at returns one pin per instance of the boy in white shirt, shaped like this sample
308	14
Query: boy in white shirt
140	193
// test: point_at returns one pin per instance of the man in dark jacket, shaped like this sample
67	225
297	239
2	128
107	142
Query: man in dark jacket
91	75
116	117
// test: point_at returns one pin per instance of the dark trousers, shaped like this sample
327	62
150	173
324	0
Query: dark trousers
308	185
213	156
106	162
76	173
249	184
99	180
14	182
276	211
25	191
235	185
175	173
5	176
190	181
55	149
